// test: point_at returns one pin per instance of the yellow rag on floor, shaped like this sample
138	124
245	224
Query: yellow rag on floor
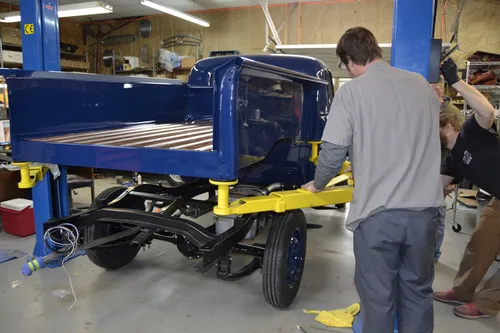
336	318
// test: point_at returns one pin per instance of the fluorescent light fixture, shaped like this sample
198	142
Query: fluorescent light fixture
86	8
77	9
16	17
11	17
175	12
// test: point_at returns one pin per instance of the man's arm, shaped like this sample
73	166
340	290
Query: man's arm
337	137
484	111
446	181
331	158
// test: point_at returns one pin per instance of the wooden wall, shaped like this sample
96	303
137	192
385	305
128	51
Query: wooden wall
72	33
244	29
479	28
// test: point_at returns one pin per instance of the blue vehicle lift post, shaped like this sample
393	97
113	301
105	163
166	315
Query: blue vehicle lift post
41	52
412	29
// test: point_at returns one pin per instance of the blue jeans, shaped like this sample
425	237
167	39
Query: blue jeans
440	232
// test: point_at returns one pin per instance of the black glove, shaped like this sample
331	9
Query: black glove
450	72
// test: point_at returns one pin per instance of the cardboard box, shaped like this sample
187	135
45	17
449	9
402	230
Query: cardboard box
187	62
11	36
13	57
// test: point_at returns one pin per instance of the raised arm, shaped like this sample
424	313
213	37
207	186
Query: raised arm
484	111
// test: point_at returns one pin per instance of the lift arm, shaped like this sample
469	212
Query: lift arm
280	202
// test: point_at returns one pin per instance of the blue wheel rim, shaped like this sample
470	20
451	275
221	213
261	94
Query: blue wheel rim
294	259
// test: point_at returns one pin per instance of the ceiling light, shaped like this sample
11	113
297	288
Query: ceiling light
175	12
77	9
86	8
11	18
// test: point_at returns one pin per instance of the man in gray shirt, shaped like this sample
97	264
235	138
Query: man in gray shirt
388	119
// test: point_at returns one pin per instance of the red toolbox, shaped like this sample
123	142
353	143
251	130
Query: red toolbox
17	217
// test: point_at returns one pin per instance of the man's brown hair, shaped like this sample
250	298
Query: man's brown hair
454	118
358	45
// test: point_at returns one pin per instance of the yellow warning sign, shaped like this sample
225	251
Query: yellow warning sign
29	29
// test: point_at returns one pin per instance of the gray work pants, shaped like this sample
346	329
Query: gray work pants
394	252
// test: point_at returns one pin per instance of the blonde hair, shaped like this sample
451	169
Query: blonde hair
451	115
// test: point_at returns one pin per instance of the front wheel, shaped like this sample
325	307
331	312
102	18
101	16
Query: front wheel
112	255
284	258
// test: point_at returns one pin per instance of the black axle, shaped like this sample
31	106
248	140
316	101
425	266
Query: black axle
191	238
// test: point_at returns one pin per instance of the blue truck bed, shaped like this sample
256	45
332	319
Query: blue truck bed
165	126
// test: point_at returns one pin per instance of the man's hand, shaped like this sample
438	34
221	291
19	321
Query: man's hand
450	72
310	187
449	189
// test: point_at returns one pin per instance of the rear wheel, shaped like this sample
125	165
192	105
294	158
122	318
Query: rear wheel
112	255
284	258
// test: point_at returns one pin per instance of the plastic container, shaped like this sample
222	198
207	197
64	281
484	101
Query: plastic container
18	217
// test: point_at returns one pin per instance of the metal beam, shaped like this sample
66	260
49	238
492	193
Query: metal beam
411	35
50	33
31	27
283	24
269	20
115	28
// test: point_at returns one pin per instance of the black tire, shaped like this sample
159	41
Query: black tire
115	257
282	275
457	227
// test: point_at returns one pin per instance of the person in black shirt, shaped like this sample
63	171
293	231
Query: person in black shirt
474	155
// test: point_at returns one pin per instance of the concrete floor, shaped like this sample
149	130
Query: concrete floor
160	291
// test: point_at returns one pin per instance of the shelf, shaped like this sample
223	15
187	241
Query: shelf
64	54
497	112
463	208
11	47
484	63
73	56
487	88
135	71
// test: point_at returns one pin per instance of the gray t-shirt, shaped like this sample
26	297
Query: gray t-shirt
390	120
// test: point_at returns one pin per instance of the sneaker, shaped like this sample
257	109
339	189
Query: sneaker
448	297
469	311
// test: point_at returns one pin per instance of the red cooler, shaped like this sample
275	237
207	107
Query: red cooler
18	218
